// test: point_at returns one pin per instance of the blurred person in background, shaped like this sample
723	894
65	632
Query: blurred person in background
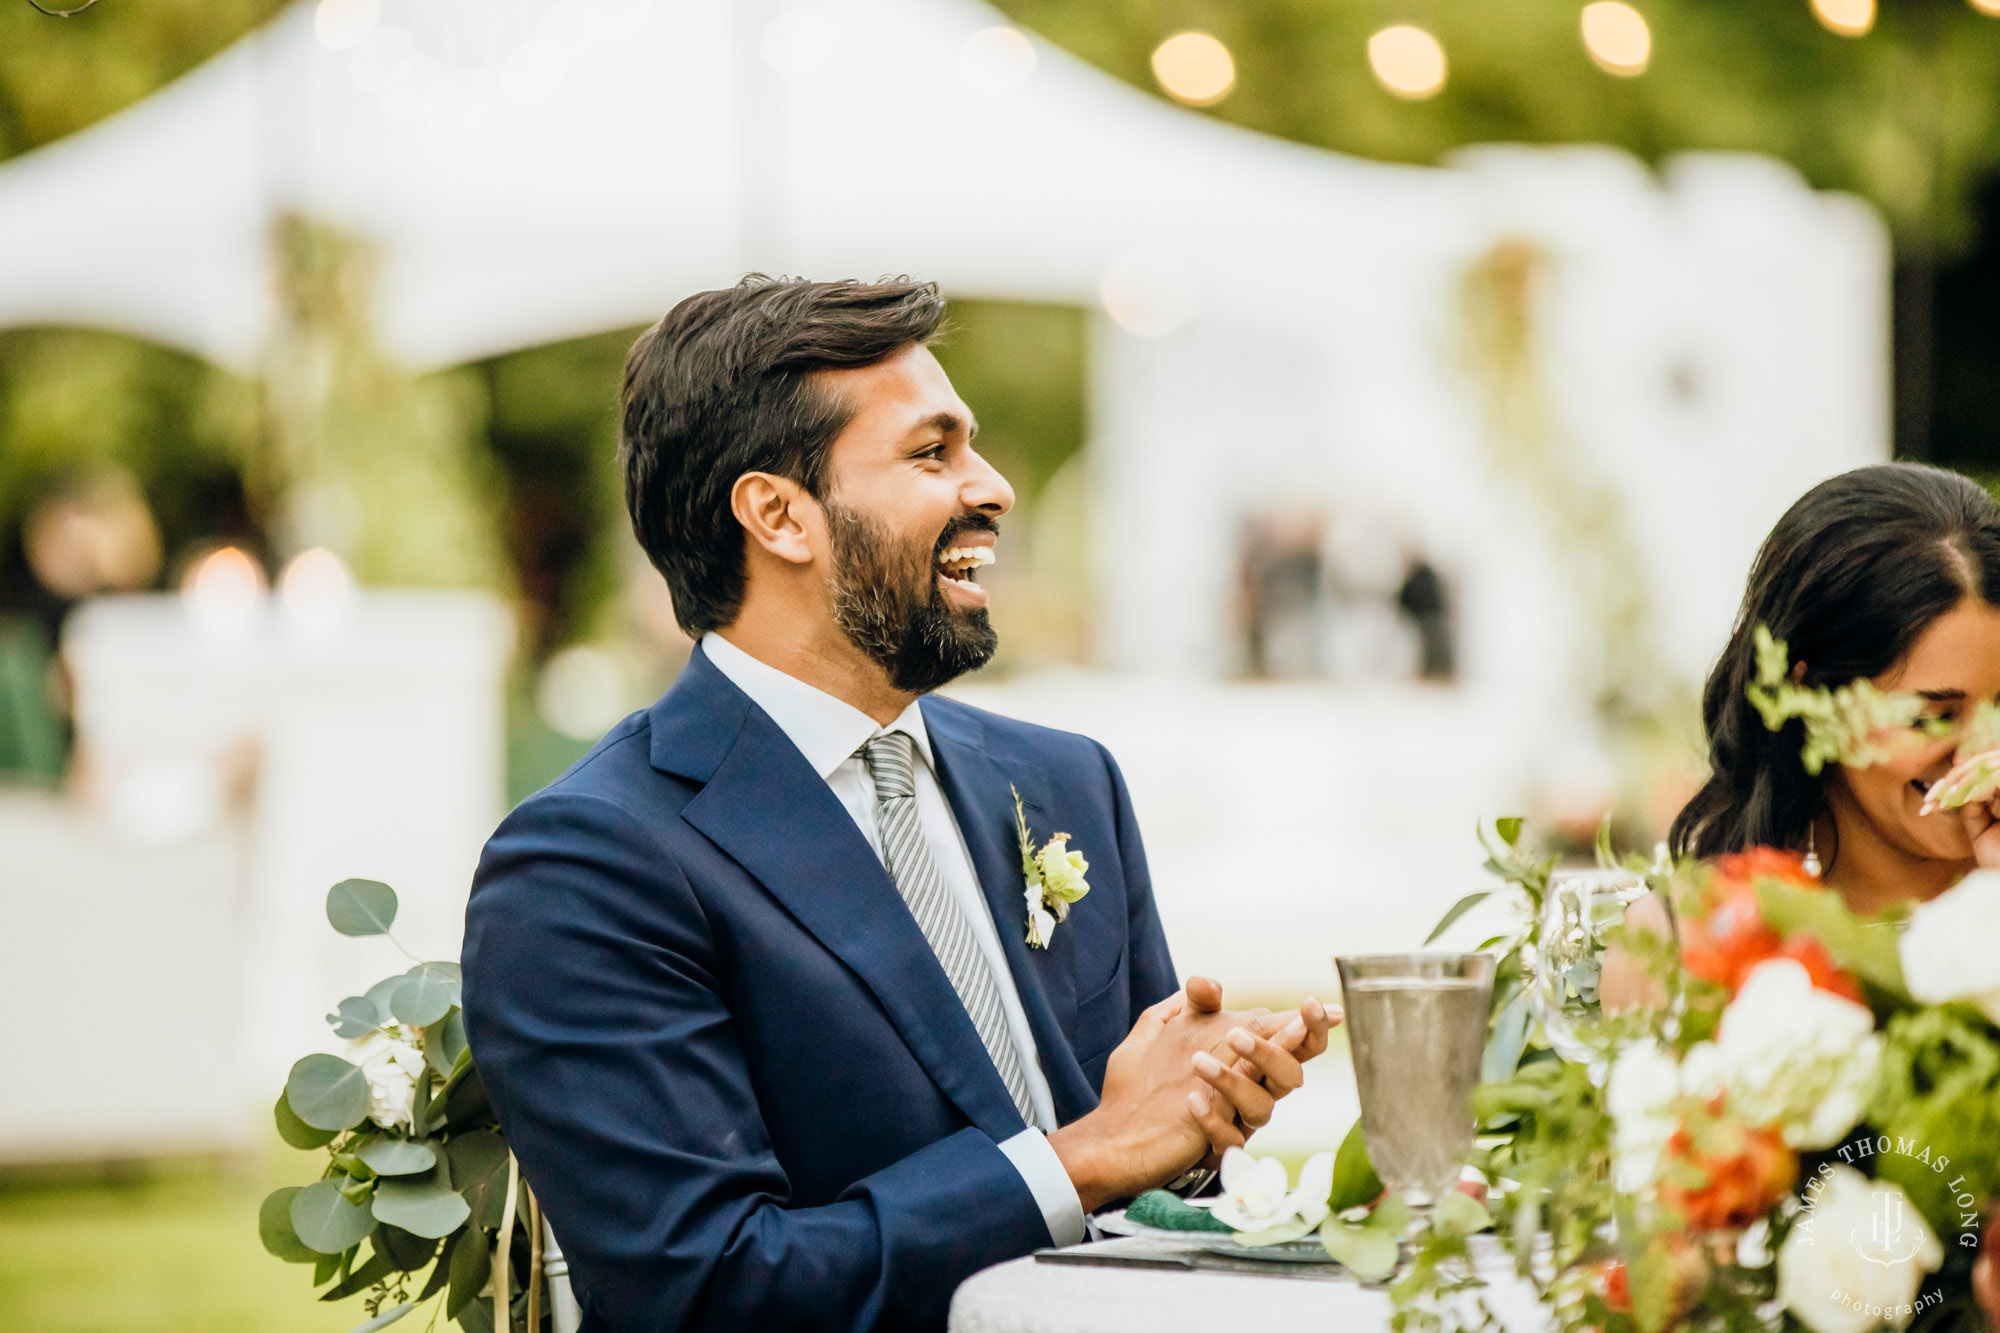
752	986
90	533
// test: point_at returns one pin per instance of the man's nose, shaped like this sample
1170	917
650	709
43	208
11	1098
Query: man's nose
984	488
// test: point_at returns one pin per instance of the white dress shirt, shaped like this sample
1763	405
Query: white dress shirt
830	734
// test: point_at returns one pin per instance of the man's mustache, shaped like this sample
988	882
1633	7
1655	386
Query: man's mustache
964	523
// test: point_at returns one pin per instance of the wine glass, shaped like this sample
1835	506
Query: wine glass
1580	908
1416	1025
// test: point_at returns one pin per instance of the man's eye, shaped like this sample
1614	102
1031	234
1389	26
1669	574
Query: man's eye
935	451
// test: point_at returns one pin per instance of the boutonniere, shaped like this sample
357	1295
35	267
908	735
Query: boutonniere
1054	875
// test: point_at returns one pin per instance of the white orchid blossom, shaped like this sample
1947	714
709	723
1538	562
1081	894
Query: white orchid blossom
1259	1206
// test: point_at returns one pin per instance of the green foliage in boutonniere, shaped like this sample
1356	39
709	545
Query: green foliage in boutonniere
1054	877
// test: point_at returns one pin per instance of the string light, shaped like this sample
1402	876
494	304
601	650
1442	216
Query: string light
1849	18
1617	38
1407	61
1194	68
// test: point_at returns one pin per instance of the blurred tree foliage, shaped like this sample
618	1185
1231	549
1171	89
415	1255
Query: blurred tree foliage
1908	115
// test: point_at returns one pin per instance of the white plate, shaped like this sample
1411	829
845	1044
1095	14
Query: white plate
1306	1251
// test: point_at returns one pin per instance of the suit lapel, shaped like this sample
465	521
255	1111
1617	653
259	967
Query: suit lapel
770	812
980	788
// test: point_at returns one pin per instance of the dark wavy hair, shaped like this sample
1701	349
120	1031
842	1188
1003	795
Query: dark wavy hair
728	383
1854	572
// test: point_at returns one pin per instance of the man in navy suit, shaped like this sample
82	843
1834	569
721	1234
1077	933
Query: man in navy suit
779	1029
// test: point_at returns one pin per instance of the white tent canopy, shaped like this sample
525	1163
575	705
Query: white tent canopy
1284	321
673	157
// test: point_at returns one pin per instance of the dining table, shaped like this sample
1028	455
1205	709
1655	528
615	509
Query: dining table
1156	1283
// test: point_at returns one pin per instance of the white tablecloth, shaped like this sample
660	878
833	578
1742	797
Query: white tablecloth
1030	1296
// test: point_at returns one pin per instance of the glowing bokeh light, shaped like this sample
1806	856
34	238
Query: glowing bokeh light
997	60
223	594
1849	18
315	591
1147	293
1194	68
1990	8
1617	38
1407	61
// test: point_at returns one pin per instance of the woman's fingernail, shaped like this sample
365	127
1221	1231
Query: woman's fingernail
1207	1064
1242	1041
1197	1103
1314	1009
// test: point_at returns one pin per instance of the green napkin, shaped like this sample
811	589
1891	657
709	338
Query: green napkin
1157	1208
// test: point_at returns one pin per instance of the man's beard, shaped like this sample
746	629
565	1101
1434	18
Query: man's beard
887	600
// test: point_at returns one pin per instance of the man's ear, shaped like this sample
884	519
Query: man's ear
776	514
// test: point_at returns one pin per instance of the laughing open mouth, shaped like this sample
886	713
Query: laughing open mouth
960	563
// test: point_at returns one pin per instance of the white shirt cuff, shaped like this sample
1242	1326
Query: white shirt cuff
1042	1172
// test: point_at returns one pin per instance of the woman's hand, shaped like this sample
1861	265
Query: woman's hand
1981	820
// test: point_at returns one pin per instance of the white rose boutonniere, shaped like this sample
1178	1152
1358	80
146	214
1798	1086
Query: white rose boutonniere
1054	878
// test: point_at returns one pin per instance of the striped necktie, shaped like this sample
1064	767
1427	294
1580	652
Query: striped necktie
892	762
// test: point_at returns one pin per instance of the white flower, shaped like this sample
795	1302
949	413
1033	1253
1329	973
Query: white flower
1041	921
1947	949
1753	1247
1062	870
1257	1205
1640	1093
1855	1259
392	1067
1797	1057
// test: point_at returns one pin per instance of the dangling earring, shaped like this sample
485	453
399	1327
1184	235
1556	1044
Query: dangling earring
1812	854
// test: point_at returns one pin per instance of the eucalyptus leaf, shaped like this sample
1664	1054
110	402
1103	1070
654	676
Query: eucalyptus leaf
1367	1252
1509	1039
361	907
386	1318
407	1253
362	1278
398	1157
444	1042
441	1270
1355	1183
297	1132
1458	1214
1458	909
471	1265
466	1105
355	1016
479	1169
274	1228
1509	829
477	1317
421	1205
324	1269
378	995
327	1092
426	994
324	1219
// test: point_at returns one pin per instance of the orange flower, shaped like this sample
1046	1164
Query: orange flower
1743	1171
1724	935
1616	1284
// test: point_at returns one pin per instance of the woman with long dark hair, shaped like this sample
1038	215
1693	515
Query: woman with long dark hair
1889	573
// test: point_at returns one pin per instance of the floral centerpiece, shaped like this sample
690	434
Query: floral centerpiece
419	1198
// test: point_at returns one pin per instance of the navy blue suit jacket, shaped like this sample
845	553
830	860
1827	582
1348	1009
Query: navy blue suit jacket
730	1065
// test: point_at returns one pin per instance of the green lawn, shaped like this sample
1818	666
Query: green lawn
171	1250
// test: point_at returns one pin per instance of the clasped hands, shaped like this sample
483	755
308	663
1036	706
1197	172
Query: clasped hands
1190	1080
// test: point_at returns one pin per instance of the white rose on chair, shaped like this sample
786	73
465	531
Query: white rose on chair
392	1067
1855	1261
1947	948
